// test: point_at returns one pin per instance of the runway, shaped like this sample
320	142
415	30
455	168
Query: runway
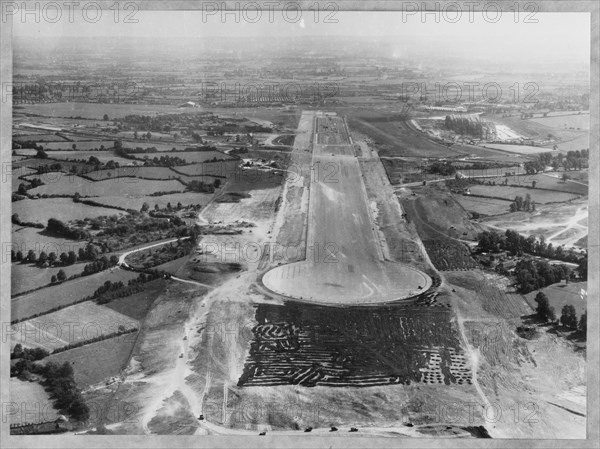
344	261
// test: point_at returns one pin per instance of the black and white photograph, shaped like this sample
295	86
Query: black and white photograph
330	224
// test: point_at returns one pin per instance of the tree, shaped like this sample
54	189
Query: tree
64	259
31	257
583	322
19	256
565	177
533	183
61	276
543	306
145	207
22	190
53	279
52	258
118	145
568	316
105	118
71	258
551	314
135	135
74	146
43	258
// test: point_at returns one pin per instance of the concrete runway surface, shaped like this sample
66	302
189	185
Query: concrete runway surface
344	261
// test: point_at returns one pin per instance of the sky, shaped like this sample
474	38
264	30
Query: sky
555	36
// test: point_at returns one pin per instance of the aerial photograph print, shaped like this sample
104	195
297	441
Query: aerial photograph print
299	224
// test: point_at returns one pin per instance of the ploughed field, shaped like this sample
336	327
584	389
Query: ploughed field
309	345
344	263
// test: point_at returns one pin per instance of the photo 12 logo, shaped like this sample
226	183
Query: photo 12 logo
56	12
269	12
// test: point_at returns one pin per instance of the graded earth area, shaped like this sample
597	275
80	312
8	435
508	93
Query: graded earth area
344	262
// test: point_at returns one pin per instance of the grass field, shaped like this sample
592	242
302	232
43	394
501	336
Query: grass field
37	137
96	110
186	198
81	146
25	277
194	157
508	192
160	173
103	156
60	208
221	168
484	206
126	187
72	324
65	293
562	294
565	121
550	180
32	402
97	362
136	306
24	239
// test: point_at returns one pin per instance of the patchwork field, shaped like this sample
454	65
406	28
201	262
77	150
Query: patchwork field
483	206
136	306
32	402
126	187
562	294
508	192
193	157
64	209
26	277
66	293
96	110
97	362
72	324
186	198
103	156
565	121
38	240
548	180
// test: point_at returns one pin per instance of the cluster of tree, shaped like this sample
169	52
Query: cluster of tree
26	144
63	389
124	152
16	220
200	186
58	227
41	154
32	184
121	331
441	168
47	168
114	290
544	311
517	245
520	204
534	275
59	382
573	160
165	161
61	276
31	354
568	316
99	265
